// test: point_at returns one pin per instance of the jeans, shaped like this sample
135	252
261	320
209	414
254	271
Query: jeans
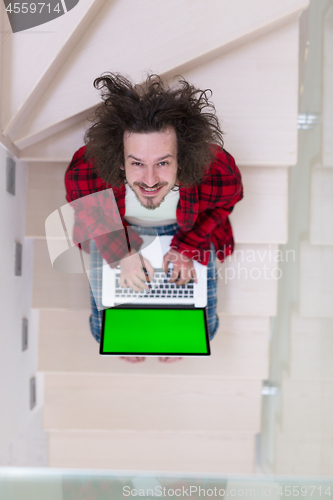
96	282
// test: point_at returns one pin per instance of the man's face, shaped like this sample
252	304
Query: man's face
151	165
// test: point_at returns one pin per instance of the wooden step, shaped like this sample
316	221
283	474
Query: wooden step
46	193
261	217
60	146
316	281
321	221
34	74
55	289
248	280
140	402
267	70
222	28
185	451
311	347
239	350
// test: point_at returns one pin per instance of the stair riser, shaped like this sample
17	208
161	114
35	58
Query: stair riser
189	452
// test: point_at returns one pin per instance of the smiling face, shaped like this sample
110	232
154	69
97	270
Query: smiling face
151	165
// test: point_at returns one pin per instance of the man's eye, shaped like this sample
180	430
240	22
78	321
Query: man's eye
137	163
163	163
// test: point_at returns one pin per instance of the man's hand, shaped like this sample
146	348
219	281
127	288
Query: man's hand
132	274
183	269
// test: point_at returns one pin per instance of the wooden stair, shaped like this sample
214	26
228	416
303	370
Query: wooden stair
199	415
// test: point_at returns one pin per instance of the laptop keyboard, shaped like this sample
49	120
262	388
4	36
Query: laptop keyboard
159	288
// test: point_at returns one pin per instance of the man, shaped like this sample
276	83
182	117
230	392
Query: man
160	150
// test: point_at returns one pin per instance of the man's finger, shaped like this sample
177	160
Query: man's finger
166	261
182	281
140	274
140	279
194	275
137	284
150	270
122	282
175	274
186	274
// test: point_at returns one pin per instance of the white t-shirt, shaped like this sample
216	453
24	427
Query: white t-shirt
165	214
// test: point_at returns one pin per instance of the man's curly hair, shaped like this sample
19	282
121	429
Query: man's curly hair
152	107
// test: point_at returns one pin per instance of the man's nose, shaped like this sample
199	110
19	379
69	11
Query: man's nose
151	177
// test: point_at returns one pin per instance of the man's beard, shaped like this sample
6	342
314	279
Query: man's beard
150	203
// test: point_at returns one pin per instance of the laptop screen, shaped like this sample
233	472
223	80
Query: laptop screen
154	331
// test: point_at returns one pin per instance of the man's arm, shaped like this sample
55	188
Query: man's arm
220	190
96	212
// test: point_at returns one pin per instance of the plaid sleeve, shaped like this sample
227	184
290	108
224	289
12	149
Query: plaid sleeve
220	190
96	213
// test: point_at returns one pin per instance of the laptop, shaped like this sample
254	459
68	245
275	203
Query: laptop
167	320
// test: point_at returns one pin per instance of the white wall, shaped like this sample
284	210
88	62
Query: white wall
16	366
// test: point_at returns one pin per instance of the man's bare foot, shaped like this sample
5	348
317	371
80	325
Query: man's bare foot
132	359
169	359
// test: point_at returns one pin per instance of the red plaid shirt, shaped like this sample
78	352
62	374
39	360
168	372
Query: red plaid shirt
202	211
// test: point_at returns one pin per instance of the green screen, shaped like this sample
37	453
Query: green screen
161	331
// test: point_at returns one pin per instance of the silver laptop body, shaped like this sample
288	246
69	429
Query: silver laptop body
161	292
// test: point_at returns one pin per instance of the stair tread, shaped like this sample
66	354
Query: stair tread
240	349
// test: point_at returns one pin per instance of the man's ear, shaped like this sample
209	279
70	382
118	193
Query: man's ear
122	167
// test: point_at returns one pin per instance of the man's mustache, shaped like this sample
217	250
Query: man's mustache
144	186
